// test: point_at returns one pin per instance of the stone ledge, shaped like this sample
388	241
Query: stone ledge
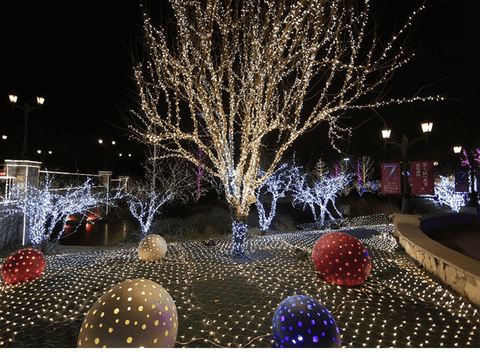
460	272
404	219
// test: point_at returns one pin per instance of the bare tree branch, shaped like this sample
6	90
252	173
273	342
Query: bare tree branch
239	77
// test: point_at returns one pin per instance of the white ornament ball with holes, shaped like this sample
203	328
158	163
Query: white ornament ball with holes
135	313
152	248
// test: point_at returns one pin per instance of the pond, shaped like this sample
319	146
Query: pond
106	232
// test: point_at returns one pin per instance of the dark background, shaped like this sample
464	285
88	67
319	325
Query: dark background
78	55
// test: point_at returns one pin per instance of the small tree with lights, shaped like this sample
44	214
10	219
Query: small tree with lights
445	194
320	192
47	210
277	186
233	79
365	171
144	203
145	198
164	180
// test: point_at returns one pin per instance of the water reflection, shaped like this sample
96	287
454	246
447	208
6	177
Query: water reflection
100	233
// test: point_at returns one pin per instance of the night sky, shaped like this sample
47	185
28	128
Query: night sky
79	57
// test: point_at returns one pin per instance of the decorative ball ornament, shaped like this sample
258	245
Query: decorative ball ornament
26	264
152	248
135	313
302	321
341	259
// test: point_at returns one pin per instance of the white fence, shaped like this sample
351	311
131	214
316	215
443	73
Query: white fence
23	172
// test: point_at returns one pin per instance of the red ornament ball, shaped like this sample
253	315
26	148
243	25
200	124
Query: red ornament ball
26	264
341	259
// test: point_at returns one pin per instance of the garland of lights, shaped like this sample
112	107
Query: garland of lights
236	79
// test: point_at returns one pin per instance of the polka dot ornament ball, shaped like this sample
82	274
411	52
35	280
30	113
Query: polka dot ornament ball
302	321
24	265
152	248
135	313
341	259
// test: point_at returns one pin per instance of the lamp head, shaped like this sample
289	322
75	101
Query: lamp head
386	133
13	98
40	100
457	149
427	126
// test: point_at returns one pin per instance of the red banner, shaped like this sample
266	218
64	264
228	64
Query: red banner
421	177
391	182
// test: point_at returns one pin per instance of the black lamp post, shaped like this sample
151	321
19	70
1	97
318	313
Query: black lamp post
404	145
26	110
106	145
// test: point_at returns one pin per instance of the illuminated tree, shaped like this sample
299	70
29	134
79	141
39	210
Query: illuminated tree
277	185
320	168
365	171
445	194
47	210
242	80
144	204
164	180
199	172
319	193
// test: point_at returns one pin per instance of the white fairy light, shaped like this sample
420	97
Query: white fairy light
445	194
144	204
320	193
235	80
278	184
46	208
237	297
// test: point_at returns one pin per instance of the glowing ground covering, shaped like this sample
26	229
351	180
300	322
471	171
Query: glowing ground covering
226	301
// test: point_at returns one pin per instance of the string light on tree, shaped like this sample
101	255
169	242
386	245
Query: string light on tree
445	194
45	208
321	193
278	184
236	79
365	171
144	204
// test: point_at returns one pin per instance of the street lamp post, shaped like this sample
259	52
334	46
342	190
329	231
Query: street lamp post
106	145
404	145
26	110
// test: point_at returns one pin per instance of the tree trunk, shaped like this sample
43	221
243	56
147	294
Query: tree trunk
239	231
43	247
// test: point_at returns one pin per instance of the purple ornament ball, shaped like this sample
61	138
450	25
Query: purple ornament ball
302	321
